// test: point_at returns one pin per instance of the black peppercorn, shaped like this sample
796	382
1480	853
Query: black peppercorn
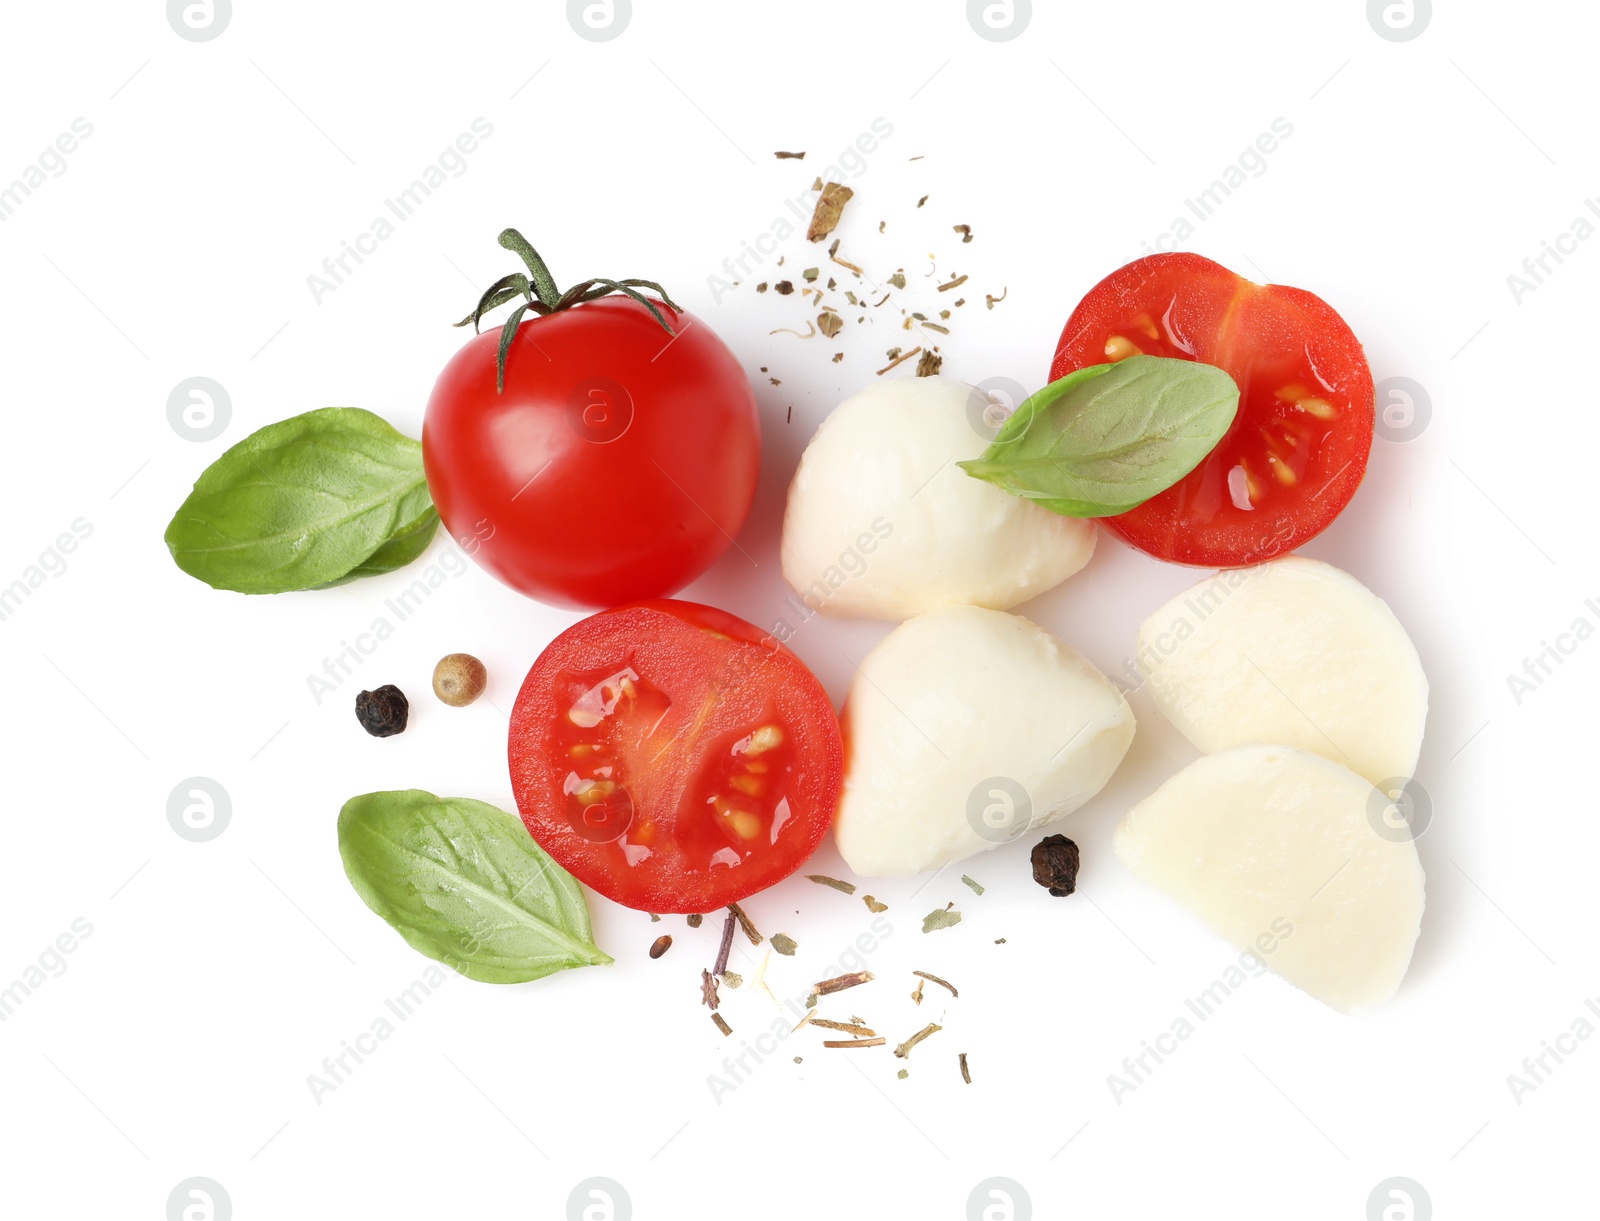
383	712
1055	864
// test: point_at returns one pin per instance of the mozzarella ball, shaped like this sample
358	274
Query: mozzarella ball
1296	652
965	729
882	523
1291	857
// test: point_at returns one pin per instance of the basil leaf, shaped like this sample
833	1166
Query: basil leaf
405	545
464	883
302	503
1107	438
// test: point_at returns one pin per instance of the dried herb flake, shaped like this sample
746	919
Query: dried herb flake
784	944
976	888
745	923
904	1050
839	983
943	983
822	879
940	918
855	1028
903	357
830	207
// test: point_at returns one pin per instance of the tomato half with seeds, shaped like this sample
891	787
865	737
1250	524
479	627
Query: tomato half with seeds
1298	447
673	757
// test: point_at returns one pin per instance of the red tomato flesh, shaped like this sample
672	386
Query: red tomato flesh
618	463
673	757
1297	449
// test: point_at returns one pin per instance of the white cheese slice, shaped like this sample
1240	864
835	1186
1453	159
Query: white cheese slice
1291	857
964	729
881	523
1296	652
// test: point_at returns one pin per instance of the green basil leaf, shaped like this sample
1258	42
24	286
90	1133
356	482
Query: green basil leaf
1107	438
464	883
405	545
301	503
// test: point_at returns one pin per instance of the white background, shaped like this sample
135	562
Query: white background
177	243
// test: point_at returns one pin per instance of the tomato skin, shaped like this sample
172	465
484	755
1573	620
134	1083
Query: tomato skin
1267	337
717	678
618	464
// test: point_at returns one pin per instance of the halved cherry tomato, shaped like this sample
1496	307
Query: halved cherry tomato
674	757
1298	447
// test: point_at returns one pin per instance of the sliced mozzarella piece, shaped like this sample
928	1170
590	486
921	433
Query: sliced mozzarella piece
964	729
1291	857
882	523
1294	651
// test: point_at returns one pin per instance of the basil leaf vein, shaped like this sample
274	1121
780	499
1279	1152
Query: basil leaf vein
304	503
1105	439
406	544
464	884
